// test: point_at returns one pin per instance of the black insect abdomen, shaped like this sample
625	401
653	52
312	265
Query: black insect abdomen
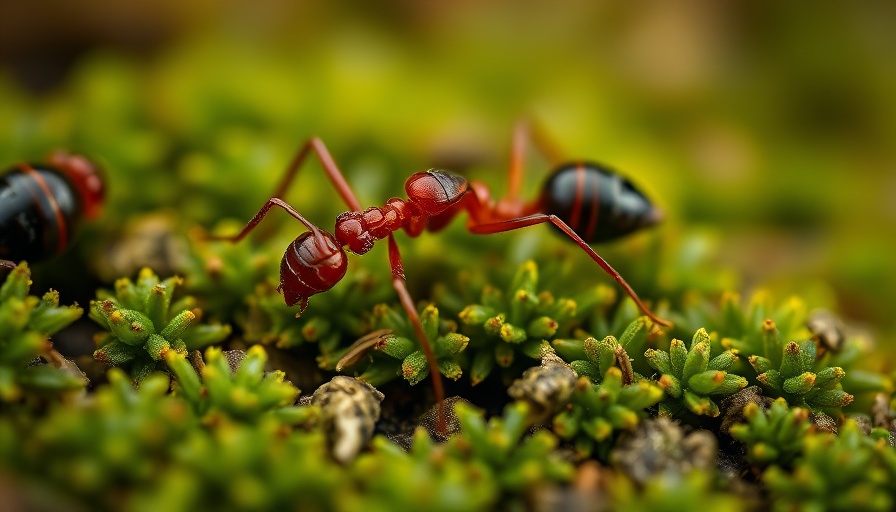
37	209
596	202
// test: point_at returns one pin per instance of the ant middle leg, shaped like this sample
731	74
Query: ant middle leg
316	145
541	218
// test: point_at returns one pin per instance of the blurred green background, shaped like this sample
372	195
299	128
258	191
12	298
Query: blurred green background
765	130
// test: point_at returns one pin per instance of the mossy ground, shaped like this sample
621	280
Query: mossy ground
764	410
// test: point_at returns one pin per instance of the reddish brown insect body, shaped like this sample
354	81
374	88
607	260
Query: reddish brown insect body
597	203
41	204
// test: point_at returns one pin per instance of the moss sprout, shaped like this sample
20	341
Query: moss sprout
790	371
394	351
598	412
242	393
143	324
505	324
691	378
519	464
594	357
773	436
29	365
849	471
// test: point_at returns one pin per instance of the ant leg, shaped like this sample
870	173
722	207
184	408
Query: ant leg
253	223
323	155
517	153
541	218
7	264
398	282
525	133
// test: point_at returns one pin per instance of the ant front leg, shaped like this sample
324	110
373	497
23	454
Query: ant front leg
541	218
253	223
398	282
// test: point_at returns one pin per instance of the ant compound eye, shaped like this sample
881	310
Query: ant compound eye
434	191
312	264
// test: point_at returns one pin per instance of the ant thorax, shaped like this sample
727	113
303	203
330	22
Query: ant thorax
360	230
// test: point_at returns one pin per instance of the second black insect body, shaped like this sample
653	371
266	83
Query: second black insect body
597	203
41	205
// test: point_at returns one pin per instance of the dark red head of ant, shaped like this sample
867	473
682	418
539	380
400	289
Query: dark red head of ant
585	201
41	204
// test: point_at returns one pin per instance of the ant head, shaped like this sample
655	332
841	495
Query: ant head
85	176
312	263
434	191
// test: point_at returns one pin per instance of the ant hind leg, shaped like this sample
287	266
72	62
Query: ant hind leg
541	218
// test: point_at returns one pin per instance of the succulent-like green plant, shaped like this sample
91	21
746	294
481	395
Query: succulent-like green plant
332	320
26	322
243	393
849	471
144	324
740	327
424	478
592	357
394	351
92	452
225	274
242	467
789	370
516	462
598	411
773	436
689	377
837	348
506	323
674	492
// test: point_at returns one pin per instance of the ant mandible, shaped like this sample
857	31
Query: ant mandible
585	201
41	204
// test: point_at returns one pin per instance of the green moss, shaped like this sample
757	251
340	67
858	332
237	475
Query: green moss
691	378
29	366
230	436
144	324
598	412
849	471
774	436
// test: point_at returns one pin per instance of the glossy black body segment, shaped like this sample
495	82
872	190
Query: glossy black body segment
596	202
38	207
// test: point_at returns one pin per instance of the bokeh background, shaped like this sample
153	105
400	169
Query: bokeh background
765	130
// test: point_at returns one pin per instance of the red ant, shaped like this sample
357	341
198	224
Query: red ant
41	204
585	201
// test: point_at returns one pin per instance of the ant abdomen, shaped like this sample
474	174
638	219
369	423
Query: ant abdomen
312	263
596	202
